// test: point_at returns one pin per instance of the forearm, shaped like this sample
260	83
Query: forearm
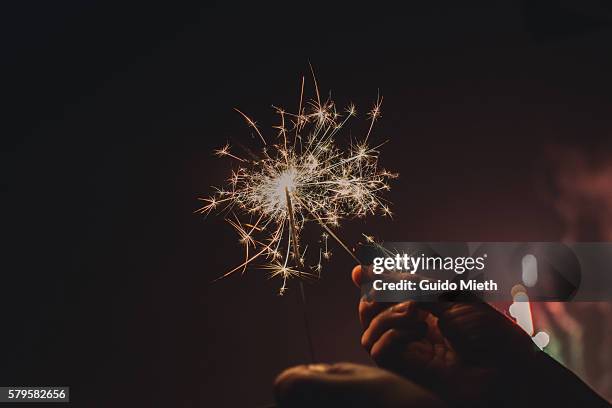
548	383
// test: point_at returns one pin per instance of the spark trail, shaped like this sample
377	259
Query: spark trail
300	176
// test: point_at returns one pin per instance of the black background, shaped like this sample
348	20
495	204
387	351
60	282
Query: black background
111	115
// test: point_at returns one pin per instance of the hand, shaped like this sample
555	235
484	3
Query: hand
465	352
348	385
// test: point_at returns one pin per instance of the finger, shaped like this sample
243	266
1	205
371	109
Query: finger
385	350
478	330
340	384
356	275
370	284
362	274
401	316
315	372
369	309
348	385
296	384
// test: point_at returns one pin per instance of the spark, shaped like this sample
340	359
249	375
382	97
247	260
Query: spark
225	151
300	176
374	114
369	238
252	124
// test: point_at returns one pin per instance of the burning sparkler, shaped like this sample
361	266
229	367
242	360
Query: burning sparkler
300	176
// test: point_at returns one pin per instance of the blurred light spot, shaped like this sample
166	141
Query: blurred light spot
521	311
530	270
541	339
516	289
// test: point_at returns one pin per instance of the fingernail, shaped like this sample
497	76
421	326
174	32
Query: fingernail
401	307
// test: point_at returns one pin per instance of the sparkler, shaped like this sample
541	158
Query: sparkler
300	176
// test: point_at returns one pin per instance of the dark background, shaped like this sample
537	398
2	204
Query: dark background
111	115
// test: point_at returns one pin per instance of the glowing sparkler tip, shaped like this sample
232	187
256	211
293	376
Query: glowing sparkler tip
303	177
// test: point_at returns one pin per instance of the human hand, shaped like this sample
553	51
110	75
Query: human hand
464	351
348	385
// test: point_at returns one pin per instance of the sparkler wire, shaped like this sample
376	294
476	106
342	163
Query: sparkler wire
300	262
